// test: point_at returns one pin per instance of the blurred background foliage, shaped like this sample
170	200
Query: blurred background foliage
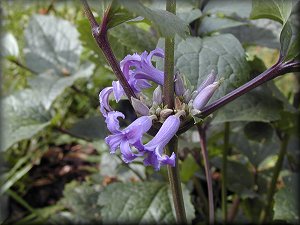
55	165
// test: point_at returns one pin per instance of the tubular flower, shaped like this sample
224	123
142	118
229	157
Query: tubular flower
138	70
155	147
127	138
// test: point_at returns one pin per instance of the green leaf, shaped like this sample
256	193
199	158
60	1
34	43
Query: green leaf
90	128
50	86
290	40
166	23
188	168
196	57
236	8
134	38
9	45
286	206
52	43
24	116
278	10
262	32
148	202
213	24
81	201
256	105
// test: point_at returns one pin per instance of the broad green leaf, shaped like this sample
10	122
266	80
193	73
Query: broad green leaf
278	10
50	86
9	45
90	128
52	43
166	23
23	116
213	24
235	8
196	57
256	105
189	16
147	202
286	206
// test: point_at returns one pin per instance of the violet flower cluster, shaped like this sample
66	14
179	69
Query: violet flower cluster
140	74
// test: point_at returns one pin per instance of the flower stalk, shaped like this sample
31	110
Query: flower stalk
224	171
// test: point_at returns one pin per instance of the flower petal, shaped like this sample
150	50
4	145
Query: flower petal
104	101
127	154
113	141
118	90
113	122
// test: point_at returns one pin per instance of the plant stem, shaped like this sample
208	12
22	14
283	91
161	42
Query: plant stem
283	148
168	99
175	183
202	134
168	88
234	209
224	171
100	35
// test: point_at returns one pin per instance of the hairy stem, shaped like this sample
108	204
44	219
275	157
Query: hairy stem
202	134
264	216
100	35
224	171
168	99
168	88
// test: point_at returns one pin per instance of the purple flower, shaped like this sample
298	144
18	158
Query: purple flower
104	101
138	70
129	140
155	147
209	80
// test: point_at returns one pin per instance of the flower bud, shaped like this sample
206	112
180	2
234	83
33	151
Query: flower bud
204	96
187	96
179	85
209	80
165	113
139	107
157	95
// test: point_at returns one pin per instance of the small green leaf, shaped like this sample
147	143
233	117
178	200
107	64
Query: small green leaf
148	202
9	45
278	10
166	23
52	43
188	168
286	206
